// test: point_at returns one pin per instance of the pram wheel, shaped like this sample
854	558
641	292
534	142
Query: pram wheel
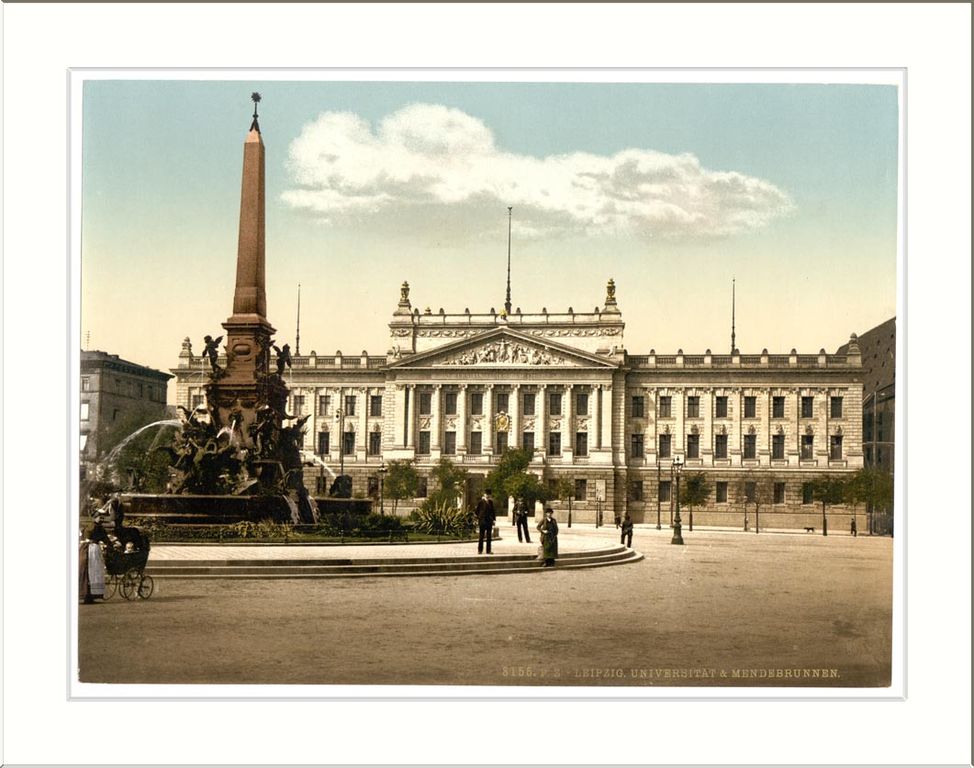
111	586
130	583
146	586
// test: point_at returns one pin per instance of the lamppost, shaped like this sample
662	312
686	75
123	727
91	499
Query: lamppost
382	487
677	528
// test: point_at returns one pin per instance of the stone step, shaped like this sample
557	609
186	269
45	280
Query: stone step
476	565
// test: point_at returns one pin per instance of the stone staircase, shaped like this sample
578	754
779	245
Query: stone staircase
327	568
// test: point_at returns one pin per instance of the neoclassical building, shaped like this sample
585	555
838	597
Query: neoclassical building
761	427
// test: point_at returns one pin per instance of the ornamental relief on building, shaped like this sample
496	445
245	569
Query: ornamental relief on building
528	424
554	425
581	422
451	422
424	422
575	332
447	333
402	331
506	352
502	422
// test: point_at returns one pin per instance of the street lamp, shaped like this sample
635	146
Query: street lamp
677	528
658	527
382	478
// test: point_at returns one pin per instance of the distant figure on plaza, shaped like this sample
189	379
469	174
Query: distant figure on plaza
854	530
626	531
549	537
521	519
485	522
211	350
283	358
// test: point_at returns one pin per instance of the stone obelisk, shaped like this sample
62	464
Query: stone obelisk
244	383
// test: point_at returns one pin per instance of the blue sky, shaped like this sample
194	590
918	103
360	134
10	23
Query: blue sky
672	190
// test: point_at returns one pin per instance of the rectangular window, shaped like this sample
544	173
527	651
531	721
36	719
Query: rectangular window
529	404
348	443
693	407
84	411
835	408
141	391
721	493
349	405
807	495
375	405
581	404
777	446
638	406
779	493
375	443
476	403
503	402
581	489
324	403
636	490
85	383
324	443
449	443
424	442
750	407
664	446
808	446
720	446
777	407
750	492
554	444
422	490
297	405
720	407
554	404
450	403
835	447
638	447
425	403
581	443
476	443
806	407
501	444
664	491
750	446
372	487
693	446
197	401
527	441
665	406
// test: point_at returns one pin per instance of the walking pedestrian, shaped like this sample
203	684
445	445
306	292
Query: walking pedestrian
521	515
626	530
549	537
485	521
854	530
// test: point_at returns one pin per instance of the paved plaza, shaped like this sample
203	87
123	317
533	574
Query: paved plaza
728	608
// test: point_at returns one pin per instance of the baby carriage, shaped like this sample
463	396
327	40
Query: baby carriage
125	567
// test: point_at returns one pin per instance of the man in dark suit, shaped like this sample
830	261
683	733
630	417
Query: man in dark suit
485	521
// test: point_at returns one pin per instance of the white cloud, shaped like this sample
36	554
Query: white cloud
434	164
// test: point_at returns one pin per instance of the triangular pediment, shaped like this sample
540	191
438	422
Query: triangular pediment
503	348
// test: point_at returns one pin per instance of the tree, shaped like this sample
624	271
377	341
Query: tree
450	482
694	492
564	489
871	486
513	463
402	482
828	489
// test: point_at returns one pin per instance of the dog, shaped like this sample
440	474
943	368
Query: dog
809	529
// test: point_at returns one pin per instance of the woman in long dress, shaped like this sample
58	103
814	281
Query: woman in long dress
91	570
549	537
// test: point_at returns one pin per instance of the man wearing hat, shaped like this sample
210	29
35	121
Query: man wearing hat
485	521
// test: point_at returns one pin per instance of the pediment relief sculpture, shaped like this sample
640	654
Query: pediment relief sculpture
505	352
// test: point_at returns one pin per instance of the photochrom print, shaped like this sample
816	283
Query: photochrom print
486	379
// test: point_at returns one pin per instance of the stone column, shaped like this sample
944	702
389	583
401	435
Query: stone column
707	405
362	438
462	420
606	426
488	432
568	423
411	416
541	419
435	418
596	422
514	439
680	436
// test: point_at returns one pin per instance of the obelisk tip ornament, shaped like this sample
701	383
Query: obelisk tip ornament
255	97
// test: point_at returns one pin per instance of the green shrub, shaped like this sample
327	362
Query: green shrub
443	518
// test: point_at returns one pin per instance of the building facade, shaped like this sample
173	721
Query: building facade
466	386
116	392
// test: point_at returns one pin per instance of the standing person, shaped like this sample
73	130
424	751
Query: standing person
91	564
854	530
485	521
626	530
521	515
549	537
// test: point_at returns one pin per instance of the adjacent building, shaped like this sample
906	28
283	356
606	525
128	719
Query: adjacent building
116	392
465	386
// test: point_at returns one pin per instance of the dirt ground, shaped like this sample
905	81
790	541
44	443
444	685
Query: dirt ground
726	609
